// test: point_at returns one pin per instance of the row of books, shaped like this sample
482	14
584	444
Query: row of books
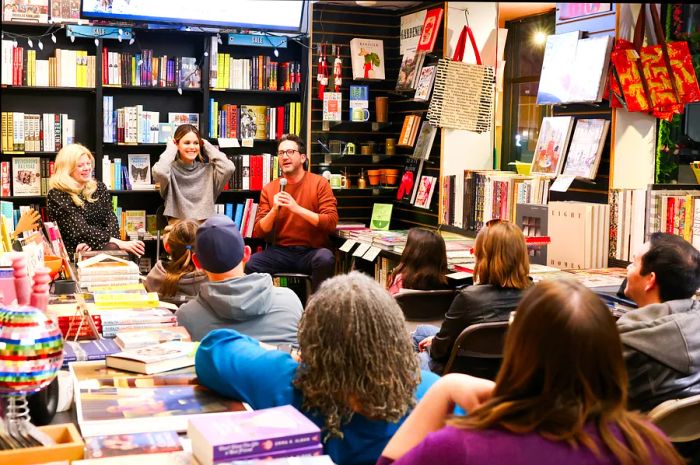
142	69
255	73
253	121
30	176
252	171
68	68
409	131
130	221
243	214
134	175
480	196
27	132
579	235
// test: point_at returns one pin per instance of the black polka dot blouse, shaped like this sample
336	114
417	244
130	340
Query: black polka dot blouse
94	223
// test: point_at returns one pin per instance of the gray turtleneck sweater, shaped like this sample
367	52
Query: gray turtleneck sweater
191	190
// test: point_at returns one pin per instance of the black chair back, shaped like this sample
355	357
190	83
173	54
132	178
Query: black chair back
478	350
425	305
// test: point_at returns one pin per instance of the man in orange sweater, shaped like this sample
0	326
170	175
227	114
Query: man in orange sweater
296	220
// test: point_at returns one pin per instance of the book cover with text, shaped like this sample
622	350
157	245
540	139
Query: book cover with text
26	176
367	57
139	170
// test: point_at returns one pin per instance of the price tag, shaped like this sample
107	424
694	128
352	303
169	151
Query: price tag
247	142
228	142
562	184
347	246
371	254
361	250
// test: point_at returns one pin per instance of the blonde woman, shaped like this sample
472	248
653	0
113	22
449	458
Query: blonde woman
82	206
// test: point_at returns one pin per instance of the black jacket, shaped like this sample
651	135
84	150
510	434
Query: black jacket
661	345
482	303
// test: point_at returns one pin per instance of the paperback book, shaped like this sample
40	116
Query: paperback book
424	144
176	119
551	145
115	445
359	98
155	358
140	171
410	64
586	148
332	106
426	187
26	176
425	83
254	434
133	339
253	122
431	28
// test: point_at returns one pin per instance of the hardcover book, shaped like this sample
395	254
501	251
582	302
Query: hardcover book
431	28
115	445
425	141
367	56
411	26
98	349
235	436
176	119
586	148
408	70
253	122
133	339
332	106
425	191
26	176
425	83
135	220
559	56
155	358
139	170
551	145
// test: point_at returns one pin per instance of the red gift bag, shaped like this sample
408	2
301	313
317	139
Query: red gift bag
627	80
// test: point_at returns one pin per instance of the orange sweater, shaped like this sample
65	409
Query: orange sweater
314	193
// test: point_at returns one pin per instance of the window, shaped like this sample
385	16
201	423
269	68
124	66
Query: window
521	114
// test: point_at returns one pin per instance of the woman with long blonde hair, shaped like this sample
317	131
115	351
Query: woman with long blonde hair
177	280
82	206
500	277
559	398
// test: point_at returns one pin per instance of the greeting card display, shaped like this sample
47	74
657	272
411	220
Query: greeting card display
551	145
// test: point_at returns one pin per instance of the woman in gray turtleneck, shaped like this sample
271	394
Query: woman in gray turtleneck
188	184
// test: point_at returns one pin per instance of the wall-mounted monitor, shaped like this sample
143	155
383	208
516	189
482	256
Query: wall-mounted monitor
266	15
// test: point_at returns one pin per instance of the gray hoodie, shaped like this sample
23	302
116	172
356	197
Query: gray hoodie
187	286
662	351
249	304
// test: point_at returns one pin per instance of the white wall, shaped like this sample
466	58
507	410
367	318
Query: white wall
464	149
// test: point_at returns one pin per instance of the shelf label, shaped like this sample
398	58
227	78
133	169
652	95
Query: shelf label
347	246
257	40
99	32
371	254
361	250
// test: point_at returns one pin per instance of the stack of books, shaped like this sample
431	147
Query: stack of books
103	270
256	435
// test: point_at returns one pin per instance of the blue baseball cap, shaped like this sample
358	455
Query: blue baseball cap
219	244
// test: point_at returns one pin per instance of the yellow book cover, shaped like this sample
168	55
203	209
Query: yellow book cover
126	300
292	118
298	116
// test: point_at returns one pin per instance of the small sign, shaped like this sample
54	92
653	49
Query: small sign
381	216
257	40
361	250
248	142
372	253
562	184
347	246
225	142
99	32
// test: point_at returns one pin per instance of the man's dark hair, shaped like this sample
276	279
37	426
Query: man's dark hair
294	138
676	265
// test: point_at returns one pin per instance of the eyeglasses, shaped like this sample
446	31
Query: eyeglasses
288	152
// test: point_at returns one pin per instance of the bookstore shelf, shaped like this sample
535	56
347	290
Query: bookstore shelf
24	197
48	89
134	191
109	87
258	92
45	154
326	126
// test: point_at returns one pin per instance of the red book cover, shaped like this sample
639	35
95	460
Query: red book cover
105	66
5	178
431	27
280	122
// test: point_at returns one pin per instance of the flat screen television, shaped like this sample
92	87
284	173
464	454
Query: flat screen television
282	16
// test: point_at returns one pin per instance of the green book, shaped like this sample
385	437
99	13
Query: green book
381	216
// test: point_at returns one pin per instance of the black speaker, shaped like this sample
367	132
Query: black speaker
692	121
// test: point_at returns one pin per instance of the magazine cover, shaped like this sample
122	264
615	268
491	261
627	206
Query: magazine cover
425	83
114	445
425	191
367	58
26	176
551	145
139	169
176	119
253	123
586	148
425	141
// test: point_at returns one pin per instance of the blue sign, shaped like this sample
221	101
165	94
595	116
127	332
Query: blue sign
257	40
99	32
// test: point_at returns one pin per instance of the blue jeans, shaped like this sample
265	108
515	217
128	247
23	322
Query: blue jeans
319	263
421	332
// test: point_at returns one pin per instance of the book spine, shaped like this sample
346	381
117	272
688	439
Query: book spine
255	448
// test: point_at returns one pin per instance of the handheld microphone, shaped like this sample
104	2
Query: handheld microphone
283	184
141	234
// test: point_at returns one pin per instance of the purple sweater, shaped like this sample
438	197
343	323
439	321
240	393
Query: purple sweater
456	446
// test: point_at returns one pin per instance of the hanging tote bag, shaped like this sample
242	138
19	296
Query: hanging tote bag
463	95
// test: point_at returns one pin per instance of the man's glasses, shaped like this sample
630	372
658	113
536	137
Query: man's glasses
288	152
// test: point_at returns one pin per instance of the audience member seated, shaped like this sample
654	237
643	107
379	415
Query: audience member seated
232	299
82	206
295	219
423	264
357	377
188	184
662	338
500	276
560	397
177	280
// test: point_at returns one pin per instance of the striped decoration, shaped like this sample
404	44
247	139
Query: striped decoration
31	350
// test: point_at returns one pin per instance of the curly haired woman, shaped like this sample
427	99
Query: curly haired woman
357	378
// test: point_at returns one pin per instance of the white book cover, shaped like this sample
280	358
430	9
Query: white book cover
411	28
425	83
332	106
183	118
26	176
367	57
590	69
559	55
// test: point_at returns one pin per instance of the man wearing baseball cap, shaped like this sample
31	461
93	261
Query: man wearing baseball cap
249	303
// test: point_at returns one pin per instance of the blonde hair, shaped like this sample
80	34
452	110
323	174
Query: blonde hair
66	161
181	241
501	256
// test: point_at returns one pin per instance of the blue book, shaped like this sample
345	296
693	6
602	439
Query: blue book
117	174
239	215
229	210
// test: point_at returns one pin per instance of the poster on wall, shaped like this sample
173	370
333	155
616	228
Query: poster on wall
577	10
